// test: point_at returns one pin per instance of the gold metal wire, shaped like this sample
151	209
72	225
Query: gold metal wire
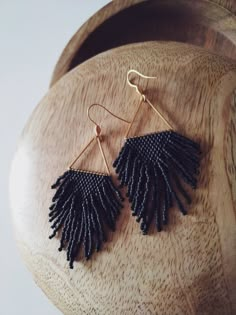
134	85
133	119
103	155
158	113
76	159
143	99
97	136
96	104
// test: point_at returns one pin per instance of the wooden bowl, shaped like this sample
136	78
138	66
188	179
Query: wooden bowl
190	267
208	24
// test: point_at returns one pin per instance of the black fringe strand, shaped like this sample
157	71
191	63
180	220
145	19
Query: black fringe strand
84	205
154	168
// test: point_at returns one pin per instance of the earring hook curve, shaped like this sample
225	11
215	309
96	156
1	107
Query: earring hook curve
143	99
135	85
97	137
97	127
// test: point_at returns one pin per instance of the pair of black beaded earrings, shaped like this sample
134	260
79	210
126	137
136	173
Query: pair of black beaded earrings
154	168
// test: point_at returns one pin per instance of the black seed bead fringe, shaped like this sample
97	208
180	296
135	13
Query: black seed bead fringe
84	205
153	168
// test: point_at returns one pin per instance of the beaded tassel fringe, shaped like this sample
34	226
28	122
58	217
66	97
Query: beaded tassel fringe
84	205
154	167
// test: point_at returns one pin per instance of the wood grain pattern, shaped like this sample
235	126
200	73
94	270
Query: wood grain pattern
227	4
202	23
190	267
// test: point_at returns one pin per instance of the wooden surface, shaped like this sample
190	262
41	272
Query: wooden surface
208	24
190	267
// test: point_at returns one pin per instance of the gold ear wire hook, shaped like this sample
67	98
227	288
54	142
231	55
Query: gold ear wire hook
143	99
134	85
98	130
99	105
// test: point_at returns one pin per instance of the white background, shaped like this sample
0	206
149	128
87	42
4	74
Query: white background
32	36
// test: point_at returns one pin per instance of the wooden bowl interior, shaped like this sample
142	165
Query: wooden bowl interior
194	22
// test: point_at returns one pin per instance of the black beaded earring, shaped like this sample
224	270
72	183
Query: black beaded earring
84	205
154	168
